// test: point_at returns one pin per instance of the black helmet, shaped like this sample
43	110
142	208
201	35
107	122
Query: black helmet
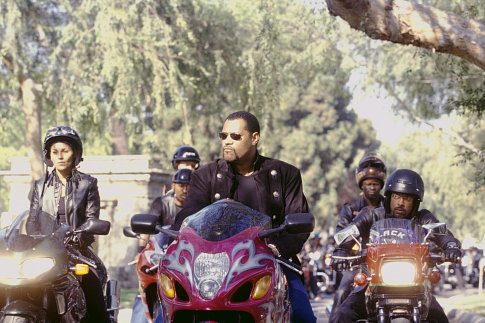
182	176
404	181
66	134
185	153
370	166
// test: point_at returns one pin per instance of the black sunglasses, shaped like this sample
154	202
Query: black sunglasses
234	136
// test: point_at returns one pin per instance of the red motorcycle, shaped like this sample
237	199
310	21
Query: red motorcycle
219	268
397	268
146	269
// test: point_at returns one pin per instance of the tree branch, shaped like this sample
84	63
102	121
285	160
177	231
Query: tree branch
459	139
415	24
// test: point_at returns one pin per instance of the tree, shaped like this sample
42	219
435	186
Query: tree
305	115
148	76
411	23
426	85
447	185
26	36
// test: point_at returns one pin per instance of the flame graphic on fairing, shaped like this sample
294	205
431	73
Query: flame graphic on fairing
174	260
253	259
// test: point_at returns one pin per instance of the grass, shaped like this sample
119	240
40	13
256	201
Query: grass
127	296
470	303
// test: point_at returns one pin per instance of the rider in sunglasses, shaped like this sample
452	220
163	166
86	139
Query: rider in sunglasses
264	184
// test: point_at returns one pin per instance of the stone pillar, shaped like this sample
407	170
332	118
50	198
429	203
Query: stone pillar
127	185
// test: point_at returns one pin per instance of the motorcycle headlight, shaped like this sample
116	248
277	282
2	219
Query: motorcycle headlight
27	269
210	270
398	272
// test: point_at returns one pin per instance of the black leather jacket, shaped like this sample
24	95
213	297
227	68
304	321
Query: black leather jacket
165	208
368	216
350	210
82	199
278	186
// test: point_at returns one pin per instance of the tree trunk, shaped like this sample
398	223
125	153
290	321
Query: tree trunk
31	110
119	141
415	24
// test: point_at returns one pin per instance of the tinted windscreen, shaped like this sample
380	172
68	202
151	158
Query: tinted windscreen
394	230
224	219
25	232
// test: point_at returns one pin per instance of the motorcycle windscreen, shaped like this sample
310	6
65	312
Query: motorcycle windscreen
27	230
395	230
224	219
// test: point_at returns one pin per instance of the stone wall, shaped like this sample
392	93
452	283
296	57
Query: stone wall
127	185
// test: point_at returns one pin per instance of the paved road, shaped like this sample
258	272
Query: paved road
444	298
319	308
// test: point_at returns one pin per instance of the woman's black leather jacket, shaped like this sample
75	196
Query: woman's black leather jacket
82	199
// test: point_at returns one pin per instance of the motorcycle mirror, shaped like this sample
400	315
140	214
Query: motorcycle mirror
349	231
148	224
438	228
127	232
299	223
96	226
144	223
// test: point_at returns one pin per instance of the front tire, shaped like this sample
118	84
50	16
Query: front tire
157	309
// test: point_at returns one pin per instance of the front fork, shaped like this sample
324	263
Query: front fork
382	316
113	299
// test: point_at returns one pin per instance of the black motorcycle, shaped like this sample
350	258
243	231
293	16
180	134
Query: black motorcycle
41	269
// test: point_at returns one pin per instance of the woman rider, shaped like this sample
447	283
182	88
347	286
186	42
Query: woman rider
73	197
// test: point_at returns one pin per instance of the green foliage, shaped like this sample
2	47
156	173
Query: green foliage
430	85
449	191
172	70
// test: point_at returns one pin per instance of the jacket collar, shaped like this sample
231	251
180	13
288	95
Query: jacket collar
53	178
258	162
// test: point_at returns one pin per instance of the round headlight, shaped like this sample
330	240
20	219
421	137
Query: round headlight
208	289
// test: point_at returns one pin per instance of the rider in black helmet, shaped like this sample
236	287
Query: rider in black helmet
370	175
404	191
73	198
166	208
185	157
404	181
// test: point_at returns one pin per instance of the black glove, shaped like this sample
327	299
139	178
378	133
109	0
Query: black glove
340	264
452	252
84	239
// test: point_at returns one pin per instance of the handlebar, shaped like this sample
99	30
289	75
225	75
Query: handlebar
289	264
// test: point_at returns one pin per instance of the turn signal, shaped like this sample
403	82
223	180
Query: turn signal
360	279
261	287
81	269
434	277
167	286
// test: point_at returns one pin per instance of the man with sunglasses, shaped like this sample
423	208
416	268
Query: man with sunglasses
403	193
267	185
370	175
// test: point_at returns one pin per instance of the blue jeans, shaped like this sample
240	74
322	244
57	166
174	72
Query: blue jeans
300	304
138	313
